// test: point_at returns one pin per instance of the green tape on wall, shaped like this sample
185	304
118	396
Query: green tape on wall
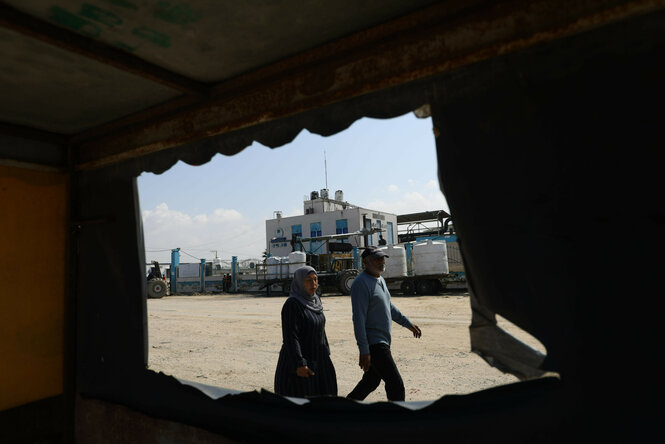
99	15
73	21
152	36
179	14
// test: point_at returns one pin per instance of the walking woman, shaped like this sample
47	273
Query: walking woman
304	368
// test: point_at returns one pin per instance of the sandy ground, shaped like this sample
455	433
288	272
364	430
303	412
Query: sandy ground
233	341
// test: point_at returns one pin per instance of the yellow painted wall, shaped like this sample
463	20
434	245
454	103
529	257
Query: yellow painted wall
33	215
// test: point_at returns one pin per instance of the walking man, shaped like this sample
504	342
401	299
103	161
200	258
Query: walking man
372	316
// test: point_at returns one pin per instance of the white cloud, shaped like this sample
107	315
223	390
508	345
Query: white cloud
223	230
222	215
432	185
295	211
392	188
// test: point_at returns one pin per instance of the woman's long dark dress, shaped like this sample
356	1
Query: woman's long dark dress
304	342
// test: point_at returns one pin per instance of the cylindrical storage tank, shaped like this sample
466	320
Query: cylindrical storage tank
284	269
274	263
339	195
430	257
296	260
314	195
395	262
324	193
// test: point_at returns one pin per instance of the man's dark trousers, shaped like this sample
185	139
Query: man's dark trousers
382	366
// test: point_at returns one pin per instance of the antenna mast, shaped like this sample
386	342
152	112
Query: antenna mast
325	164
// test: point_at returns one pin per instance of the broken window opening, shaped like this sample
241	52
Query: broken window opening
220	325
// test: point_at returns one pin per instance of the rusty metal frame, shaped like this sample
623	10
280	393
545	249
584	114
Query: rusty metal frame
427	43
25	132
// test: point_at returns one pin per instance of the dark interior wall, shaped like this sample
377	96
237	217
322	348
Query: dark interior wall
109	266
538	152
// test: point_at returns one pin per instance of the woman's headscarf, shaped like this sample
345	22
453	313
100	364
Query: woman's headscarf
298	290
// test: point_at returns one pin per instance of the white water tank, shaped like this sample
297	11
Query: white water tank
395	262
296	260
339	195
274	264
284	269
430	257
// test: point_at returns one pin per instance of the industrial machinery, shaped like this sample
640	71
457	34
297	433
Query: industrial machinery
420	267
156	285
336	269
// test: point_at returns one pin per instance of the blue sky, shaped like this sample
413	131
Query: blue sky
387	165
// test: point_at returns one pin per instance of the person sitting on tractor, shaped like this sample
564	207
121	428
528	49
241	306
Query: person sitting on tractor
154	271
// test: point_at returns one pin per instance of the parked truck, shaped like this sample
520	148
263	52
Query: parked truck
425	266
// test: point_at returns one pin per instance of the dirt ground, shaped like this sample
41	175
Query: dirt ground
233	341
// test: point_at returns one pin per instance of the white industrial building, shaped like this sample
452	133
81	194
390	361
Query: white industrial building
324	216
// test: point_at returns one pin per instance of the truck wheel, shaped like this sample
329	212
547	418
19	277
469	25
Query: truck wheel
156	288
344	282
407	288
424	287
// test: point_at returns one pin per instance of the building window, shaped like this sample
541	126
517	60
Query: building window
389	233
315	231
296	232
341	226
